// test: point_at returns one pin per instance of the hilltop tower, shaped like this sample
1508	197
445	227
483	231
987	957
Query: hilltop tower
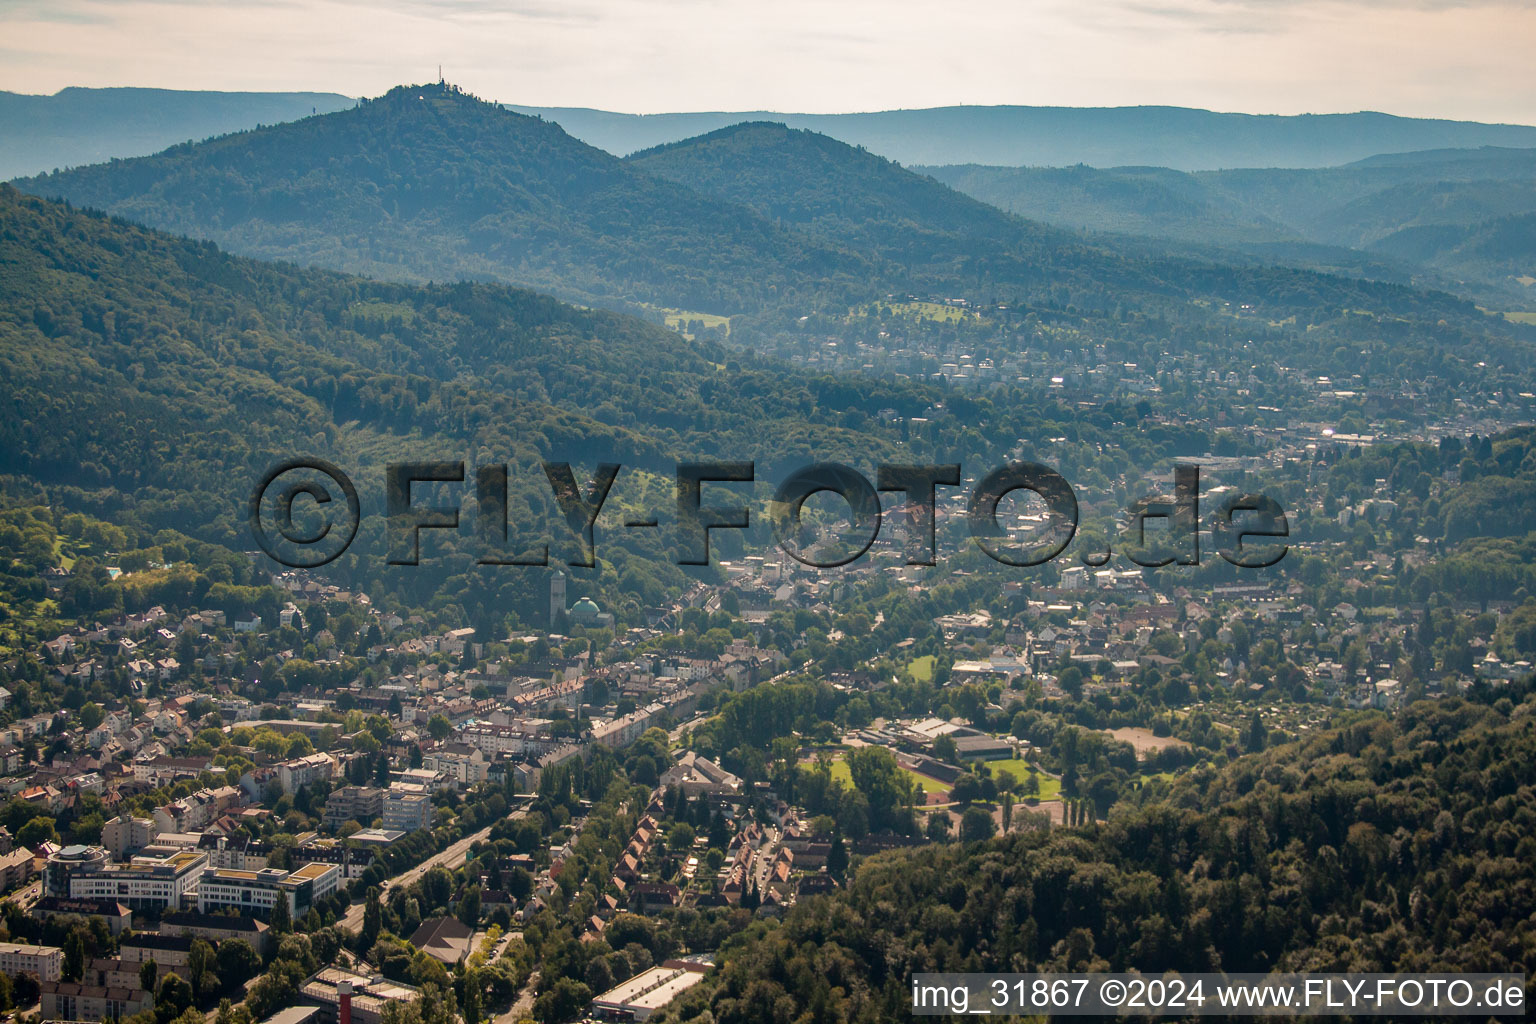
556	596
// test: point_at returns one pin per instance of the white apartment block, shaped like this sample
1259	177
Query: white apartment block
43	961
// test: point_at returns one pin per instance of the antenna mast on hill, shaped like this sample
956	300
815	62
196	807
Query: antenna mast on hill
439	74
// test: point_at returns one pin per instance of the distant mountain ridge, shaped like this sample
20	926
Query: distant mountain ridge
1179	137
1461	215
78	126
429	183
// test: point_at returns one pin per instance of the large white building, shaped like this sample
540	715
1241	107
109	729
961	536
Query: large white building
143	883
257	892
43	961
649	991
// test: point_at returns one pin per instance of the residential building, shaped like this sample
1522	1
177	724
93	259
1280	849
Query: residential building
407	808
43	961
195	812
125	835
75	1000
361	804
171	952
217	928
16	868
117	916
305	771
463	764
160	770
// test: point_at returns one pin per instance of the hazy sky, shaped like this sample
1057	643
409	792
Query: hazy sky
1439	58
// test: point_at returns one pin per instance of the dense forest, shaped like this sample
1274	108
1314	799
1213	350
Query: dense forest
153	380
428	183
1400	844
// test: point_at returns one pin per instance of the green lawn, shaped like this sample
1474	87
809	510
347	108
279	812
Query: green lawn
679	318
841	774
936	311
1050	786
1145	777
921	669
1521	318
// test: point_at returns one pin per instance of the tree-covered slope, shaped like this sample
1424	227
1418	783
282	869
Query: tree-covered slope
154	379
427	183
1399	844
805	178
945	242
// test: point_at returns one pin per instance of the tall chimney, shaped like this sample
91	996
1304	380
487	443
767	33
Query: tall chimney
344	1002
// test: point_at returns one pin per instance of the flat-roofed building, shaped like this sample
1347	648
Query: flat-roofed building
126	835
63	865
144	883
333	851
43	961
983	748
361	804
407	807
647	992
365	995
257	892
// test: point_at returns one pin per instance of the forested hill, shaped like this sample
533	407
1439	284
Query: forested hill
942	239
810	179
427	183
1401	844
153	379
836	192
